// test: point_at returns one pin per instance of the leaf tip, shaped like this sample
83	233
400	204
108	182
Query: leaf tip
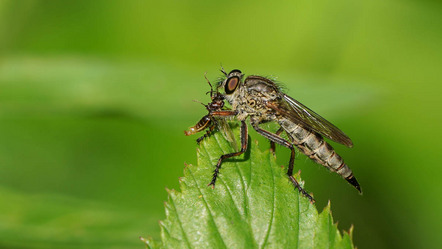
143	239
327	208
171	192
149	242
180	179
187	165
350	231
298	174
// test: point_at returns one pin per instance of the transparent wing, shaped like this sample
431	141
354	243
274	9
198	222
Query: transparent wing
224	127
305	117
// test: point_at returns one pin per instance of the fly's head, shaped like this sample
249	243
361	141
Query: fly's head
232	86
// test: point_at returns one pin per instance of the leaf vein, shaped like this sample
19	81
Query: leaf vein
180	223
207	206
299	210
226	185
240	175
246	201
273	209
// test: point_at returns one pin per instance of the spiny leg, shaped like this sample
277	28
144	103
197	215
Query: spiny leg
272	144
208	132
244	142
279	140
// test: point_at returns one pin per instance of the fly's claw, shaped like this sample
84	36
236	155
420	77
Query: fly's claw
304	193
212	183
215	175
300	189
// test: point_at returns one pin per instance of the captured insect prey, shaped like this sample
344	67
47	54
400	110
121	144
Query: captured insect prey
261	100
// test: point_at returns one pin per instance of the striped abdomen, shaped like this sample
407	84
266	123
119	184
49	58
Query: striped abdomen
200	126
314	146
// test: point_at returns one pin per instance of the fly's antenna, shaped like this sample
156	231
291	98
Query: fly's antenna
223	71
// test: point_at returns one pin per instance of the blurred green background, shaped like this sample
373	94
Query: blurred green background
95	95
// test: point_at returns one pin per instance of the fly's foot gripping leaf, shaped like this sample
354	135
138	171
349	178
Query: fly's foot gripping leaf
253	205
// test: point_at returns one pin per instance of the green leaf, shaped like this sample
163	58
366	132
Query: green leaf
252	206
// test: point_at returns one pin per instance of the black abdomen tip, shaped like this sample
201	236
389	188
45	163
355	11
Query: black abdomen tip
352	180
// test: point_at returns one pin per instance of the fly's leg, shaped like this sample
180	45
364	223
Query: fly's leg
244	142
208	132
272	144
279	140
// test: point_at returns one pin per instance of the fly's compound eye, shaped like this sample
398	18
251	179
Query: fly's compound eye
231	84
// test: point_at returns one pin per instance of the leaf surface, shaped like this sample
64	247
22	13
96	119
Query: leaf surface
252	206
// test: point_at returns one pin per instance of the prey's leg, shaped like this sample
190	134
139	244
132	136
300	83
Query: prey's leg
279	140
208	132
244	142
272	144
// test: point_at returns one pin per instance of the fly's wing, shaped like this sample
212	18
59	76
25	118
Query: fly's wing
308	119
224	127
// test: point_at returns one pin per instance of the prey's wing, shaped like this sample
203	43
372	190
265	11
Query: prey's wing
308	119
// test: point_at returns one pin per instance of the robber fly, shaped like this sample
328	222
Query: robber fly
261	100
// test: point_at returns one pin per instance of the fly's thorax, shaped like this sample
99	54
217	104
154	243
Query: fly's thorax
256	92
255	104
262	88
